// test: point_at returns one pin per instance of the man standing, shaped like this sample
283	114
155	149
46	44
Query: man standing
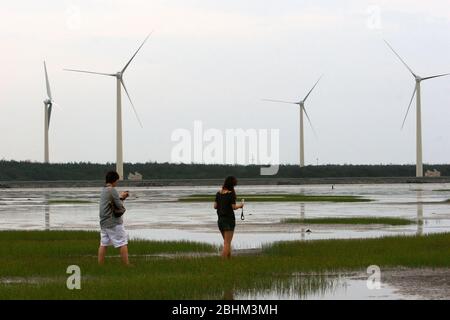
111	221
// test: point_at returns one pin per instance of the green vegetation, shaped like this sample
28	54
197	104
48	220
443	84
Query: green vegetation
34	264
68	201
353	220
35	171
277	198
79	243
442	190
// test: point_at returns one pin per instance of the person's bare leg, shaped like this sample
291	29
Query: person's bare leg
124	255
101	255
228	236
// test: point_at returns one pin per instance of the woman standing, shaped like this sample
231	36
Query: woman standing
225	204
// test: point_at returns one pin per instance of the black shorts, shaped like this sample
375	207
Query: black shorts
226	224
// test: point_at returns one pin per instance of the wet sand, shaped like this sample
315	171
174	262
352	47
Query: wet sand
426	283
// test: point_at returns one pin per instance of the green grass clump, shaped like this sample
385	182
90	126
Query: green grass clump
54	244
68	201
278	198
41	259
352	221
407	251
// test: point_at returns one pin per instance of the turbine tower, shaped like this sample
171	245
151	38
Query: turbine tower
418	79
119	84
302	111
48	104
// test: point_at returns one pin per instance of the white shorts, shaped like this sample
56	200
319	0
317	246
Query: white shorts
115	236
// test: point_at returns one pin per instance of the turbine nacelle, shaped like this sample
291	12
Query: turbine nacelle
418	79
47	102
120	83
119	76
301	104
302	111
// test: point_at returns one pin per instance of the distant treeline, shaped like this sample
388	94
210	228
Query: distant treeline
34	171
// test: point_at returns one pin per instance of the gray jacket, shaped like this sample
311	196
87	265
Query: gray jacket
110	201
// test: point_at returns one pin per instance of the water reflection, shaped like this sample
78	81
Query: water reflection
292	287
302	211
46	212
419	212
317	287
302	216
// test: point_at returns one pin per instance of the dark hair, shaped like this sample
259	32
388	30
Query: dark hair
229	183
111	177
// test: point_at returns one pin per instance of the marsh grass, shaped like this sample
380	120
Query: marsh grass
352	221
278	198
44	257
53	244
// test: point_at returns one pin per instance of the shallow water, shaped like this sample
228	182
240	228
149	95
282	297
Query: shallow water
154	213
318	287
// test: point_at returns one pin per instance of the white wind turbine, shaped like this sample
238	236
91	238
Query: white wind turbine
418	79
48	104
302	110
119	83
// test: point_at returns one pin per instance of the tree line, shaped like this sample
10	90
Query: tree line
36	171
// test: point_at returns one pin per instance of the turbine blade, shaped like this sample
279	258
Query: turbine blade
91	72
128	63
437	76
409	107
310	123
132	105
47	83
271	100
312	89
410	70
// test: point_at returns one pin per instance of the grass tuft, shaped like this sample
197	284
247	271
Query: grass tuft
352	221
278	198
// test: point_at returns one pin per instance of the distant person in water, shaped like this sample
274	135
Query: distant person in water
225	204
111	221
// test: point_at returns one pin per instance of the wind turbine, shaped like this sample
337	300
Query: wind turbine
418	79
48	104
119	84
302	110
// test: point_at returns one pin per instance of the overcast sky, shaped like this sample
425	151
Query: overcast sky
214	61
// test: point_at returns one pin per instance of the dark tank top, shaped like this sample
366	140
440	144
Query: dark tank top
225	203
